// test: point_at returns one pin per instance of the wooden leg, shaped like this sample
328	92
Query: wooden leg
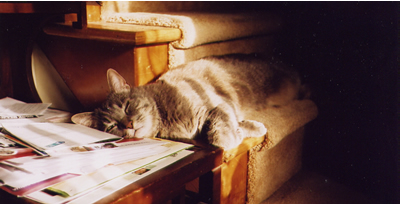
180	198
210	186
234	180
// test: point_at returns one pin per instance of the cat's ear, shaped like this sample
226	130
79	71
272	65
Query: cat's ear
86	119
116	82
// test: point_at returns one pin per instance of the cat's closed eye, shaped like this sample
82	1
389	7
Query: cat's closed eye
111	127
127	106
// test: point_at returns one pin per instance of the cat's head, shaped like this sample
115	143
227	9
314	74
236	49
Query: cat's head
127	112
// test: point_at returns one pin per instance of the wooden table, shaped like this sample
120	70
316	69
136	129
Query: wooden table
167	184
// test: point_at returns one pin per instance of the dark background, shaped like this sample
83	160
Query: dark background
347	53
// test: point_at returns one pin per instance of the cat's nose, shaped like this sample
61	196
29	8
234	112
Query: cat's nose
129	125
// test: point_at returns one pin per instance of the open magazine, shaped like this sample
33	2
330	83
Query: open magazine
70	175
50	138
48	161
98	191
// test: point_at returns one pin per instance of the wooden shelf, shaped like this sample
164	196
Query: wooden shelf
40	7
114	32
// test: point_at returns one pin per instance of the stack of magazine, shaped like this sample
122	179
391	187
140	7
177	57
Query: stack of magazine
63	162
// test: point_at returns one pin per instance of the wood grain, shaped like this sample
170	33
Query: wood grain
114	32
93	11
234	171
149	63
234	180
245	146
83	65
40	7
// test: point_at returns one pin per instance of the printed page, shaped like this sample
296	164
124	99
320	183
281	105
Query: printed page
30	170
81	184
48	136
50	115
14	109
127	156
107	188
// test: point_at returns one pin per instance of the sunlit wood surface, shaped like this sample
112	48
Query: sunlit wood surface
122	33
40	7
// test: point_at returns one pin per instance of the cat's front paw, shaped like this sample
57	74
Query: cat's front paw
224	135
252	128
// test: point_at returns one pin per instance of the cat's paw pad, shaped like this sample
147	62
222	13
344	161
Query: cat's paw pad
251	128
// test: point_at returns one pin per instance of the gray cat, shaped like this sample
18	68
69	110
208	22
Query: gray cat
210	100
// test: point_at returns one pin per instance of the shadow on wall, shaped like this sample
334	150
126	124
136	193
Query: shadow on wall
346	52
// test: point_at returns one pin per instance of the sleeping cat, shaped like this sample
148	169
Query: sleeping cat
208	100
